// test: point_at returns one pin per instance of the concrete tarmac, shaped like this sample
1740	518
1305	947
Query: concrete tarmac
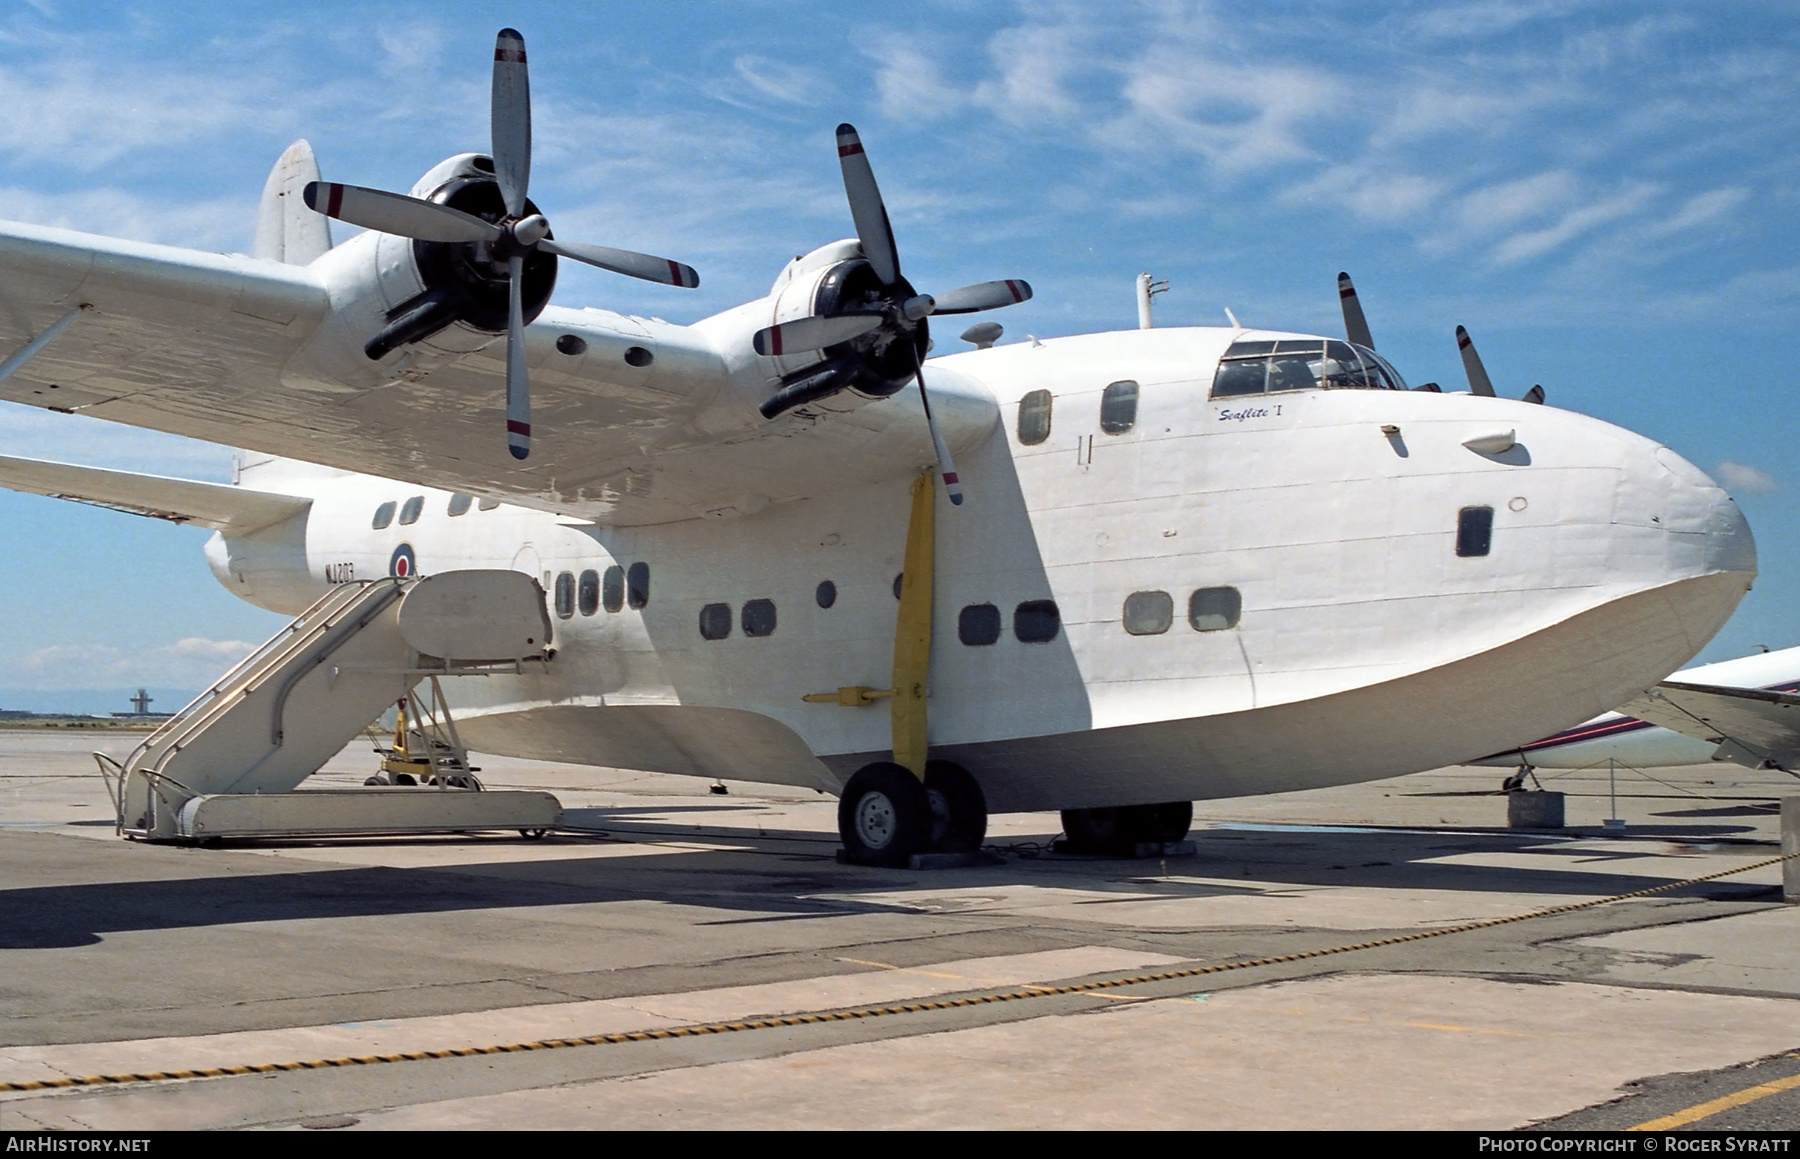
663	906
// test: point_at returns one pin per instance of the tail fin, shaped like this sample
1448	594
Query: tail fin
287	231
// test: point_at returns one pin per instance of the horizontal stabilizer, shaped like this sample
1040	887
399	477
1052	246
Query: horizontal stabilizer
215	505
1751	725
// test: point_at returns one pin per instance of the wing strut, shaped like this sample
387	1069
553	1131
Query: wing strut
32	348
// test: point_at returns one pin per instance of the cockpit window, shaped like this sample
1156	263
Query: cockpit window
1264	367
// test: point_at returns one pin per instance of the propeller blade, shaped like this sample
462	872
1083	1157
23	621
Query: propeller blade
635	265
866	207
1535	394
1479	382
1356	327
518	384
814	333
511	120
983	296
396	213
946	468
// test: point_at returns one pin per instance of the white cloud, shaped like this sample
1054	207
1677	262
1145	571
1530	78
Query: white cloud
192	662
1499	207
1575	223
1698	210
1747	479
911	85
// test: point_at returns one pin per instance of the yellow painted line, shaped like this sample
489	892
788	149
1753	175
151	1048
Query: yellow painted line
1024	993
1468	1029
861	962
1707	1110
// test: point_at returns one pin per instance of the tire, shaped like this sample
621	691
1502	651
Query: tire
884	816
958	808
1171	820
1103	831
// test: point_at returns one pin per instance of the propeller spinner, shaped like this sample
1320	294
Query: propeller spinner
510	239
899	310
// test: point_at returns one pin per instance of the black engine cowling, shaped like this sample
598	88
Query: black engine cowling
877	364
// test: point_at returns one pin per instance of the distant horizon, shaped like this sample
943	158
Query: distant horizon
103	702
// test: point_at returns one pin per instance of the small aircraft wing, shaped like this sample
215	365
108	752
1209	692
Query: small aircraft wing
222	508
1751	726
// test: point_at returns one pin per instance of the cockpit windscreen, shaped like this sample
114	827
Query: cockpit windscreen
1267	367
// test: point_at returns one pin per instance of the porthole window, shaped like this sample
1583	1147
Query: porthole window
384	515
1149	613
1474	530
565	594
1215	609
637	585
759	617
1036	621
1118	407
411	512
574	345
612	588
715	621
587	592
459	504
487	504
826	593
1034	418
978	624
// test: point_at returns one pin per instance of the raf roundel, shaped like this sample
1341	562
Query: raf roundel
403	563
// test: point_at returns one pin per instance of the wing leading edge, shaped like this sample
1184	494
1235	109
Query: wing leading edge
231	509
1751	726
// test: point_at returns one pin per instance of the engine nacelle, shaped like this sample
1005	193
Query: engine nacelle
836	279
432	301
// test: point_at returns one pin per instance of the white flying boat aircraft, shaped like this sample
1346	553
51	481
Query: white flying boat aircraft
1192	563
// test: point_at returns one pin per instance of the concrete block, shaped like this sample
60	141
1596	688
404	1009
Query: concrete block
1534	810
1790	845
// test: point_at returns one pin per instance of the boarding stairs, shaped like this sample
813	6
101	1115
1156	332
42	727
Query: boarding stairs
229	764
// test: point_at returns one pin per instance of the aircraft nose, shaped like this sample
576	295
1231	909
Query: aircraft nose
1700	513
1729	544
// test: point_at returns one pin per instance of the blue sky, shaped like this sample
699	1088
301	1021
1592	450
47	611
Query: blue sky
1604	193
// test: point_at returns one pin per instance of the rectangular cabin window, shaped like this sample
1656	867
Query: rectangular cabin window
637	585
413	509
587	592
384	515
759	618
1215	609
612	588
715	621
1474	530
1149	613
978	624
459	504
565	595
1036	621
1034	418
487	504
1118	407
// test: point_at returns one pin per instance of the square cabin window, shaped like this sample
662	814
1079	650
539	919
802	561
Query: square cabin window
978	624
759	618
715	621
637	585
587	592
384	515
1036	621
565	594
1034	418
487	505
1215	609
1474	530
1149	613
459	504
612	589
1118	407
413	509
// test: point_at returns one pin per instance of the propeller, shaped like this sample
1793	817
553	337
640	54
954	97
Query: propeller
1479	382
899	312
510	240
1356	327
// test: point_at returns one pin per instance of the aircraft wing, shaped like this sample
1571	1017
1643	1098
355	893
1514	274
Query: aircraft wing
252	353
233	509
1751	726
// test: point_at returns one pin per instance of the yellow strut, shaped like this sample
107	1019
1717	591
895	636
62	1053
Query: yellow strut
912	638
912	631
